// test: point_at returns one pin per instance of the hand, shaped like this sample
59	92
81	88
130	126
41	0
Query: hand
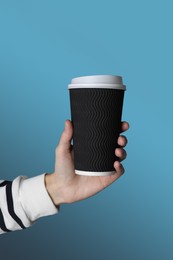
64	186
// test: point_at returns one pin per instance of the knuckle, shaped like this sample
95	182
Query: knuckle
122	140
125	140
125	154
122	169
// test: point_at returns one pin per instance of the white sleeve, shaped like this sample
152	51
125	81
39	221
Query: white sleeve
23	201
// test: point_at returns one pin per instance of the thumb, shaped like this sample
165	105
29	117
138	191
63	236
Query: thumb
67	134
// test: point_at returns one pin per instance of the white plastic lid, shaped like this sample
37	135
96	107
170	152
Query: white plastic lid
98	81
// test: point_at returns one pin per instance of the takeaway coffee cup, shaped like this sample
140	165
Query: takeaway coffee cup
96	108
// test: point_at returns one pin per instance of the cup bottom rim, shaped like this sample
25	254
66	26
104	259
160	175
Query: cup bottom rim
90	173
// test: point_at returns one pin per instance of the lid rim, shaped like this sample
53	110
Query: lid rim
97	81
97	85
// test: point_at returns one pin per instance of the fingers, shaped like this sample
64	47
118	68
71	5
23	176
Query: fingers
122	140
121	153
124	126
119	168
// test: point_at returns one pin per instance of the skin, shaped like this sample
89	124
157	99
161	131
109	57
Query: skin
64	186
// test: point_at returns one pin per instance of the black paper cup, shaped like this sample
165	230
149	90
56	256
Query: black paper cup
96	104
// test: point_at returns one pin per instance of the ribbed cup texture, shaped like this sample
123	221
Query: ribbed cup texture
96	118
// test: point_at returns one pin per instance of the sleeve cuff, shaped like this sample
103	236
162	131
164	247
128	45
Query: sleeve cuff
35	199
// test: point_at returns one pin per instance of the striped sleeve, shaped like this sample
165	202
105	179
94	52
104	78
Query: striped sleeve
22	202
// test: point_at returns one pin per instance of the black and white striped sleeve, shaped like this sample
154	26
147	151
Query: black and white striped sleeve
23	201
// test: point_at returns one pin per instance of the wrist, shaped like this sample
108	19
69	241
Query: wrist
52	188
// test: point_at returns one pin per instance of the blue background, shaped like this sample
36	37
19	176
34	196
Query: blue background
43	44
